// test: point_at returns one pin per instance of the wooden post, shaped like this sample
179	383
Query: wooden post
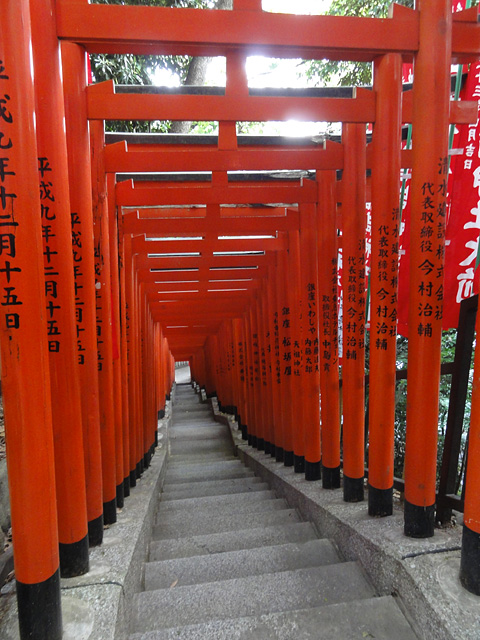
103	292
328	301
78	146
384	282
353	237
59	293
310	341
470	558
286	354
25	371
295	298
116	341
431	97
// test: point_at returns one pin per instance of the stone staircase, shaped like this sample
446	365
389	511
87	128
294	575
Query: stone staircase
228	560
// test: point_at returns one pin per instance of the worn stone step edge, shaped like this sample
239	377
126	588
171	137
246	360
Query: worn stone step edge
218	490
181	460
252	595
214	483
378	618
238	564
217	464
229	522
187	519
198	476
219	502
203	544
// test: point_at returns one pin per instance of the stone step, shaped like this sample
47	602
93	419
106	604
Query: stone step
249	596
378	618
182	460
238	564
186	518
203	466
247	517
214	504
253	538
179	447
209	473
212	488
203	430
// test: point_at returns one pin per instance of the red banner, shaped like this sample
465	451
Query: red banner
463	226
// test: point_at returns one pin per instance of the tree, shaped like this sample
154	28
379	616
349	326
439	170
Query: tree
139	69
342	72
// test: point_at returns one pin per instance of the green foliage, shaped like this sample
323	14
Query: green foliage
139	69
347	73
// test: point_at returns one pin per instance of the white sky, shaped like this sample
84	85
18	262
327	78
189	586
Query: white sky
266	72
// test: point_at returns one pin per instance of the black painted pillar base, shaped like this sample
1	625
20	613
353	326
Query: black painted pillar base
249	439
288	458
138	469
95	531
243	429
133	478
155	444
419	521
74	558
39	609
273	450
120	496
260	444
167	397
126	486
313	470
146	459
220	407
161	414
470	561
331	477
298	464
211	395
353	489
279	454
110	512
266	447
380	502
254	441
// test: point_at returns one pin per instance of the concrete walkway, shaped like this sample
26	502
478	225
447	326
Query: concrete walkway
229	560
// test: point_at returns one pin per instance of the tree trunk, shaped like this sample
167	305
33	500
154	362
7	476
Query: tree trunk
196	75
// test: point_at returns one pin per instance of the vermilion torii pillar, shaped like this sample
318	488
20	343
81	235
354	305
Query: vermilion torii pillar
25	371
310	370
59	293
121	470
328	328
470	559
384	283
431	96
103	299
354	306
295	312
78	146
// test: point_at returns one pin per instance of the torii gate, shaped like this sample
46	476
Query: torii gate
90	363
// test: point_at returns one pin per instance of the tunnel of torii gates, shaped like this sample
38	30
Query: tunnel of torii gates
247	281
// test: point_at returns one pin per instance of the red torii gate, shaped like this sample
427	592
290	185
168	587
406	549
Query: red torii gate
125	362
